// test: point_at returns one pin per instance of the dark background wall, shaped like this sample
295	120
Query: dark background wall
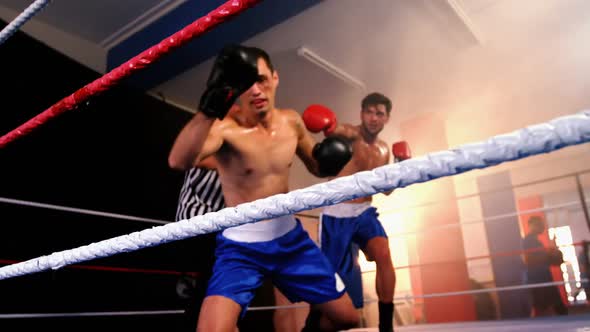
110	155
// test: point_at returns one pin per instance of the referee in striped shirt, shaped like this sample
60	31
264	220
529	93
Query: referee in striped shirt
200	193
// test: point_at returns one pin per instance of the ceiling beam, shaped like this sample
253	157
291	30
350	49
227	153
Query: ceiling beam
252	22
465	21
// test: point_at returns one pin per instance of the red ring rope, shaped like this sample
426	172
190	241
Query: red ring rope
221	14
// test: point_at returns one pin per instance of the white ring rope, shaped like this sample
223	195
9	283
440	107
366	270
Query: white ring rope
532	140
494	289
81	211
22	18
478	194
487	220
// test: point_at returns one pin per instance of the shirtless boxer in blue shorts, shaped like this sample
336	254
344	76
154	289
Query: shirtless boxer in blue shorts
254	151
351	225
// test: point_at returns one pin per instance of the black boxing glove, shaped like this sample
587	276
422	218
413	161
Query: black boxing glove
235	70
332	154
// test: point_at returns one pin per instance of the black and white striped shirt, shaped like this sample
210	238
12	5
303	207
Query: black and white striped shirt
200	193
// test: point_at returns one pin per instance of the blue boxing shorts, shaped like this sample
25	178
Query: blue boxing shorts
293	261
345	228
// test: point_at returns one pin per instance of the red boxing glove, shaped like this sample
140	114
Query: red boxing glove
317	118
401	151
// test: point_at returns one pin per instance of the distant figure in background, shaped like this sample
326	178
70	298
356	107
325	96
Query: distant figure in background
348	226
546	300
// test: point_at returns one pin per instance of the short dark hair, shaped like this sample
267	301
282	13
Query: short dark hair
376	98
260	53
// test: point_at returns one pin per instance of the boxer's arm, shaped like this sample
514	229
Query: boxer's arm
234	71
321	118
208	163
199	139
321	159
346	130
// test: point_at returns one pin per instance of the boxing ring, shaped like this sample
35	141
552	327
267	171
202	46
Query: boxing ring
529	141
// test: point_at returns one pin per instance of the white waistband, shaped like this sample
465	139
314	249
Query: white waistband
346	210
261	231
